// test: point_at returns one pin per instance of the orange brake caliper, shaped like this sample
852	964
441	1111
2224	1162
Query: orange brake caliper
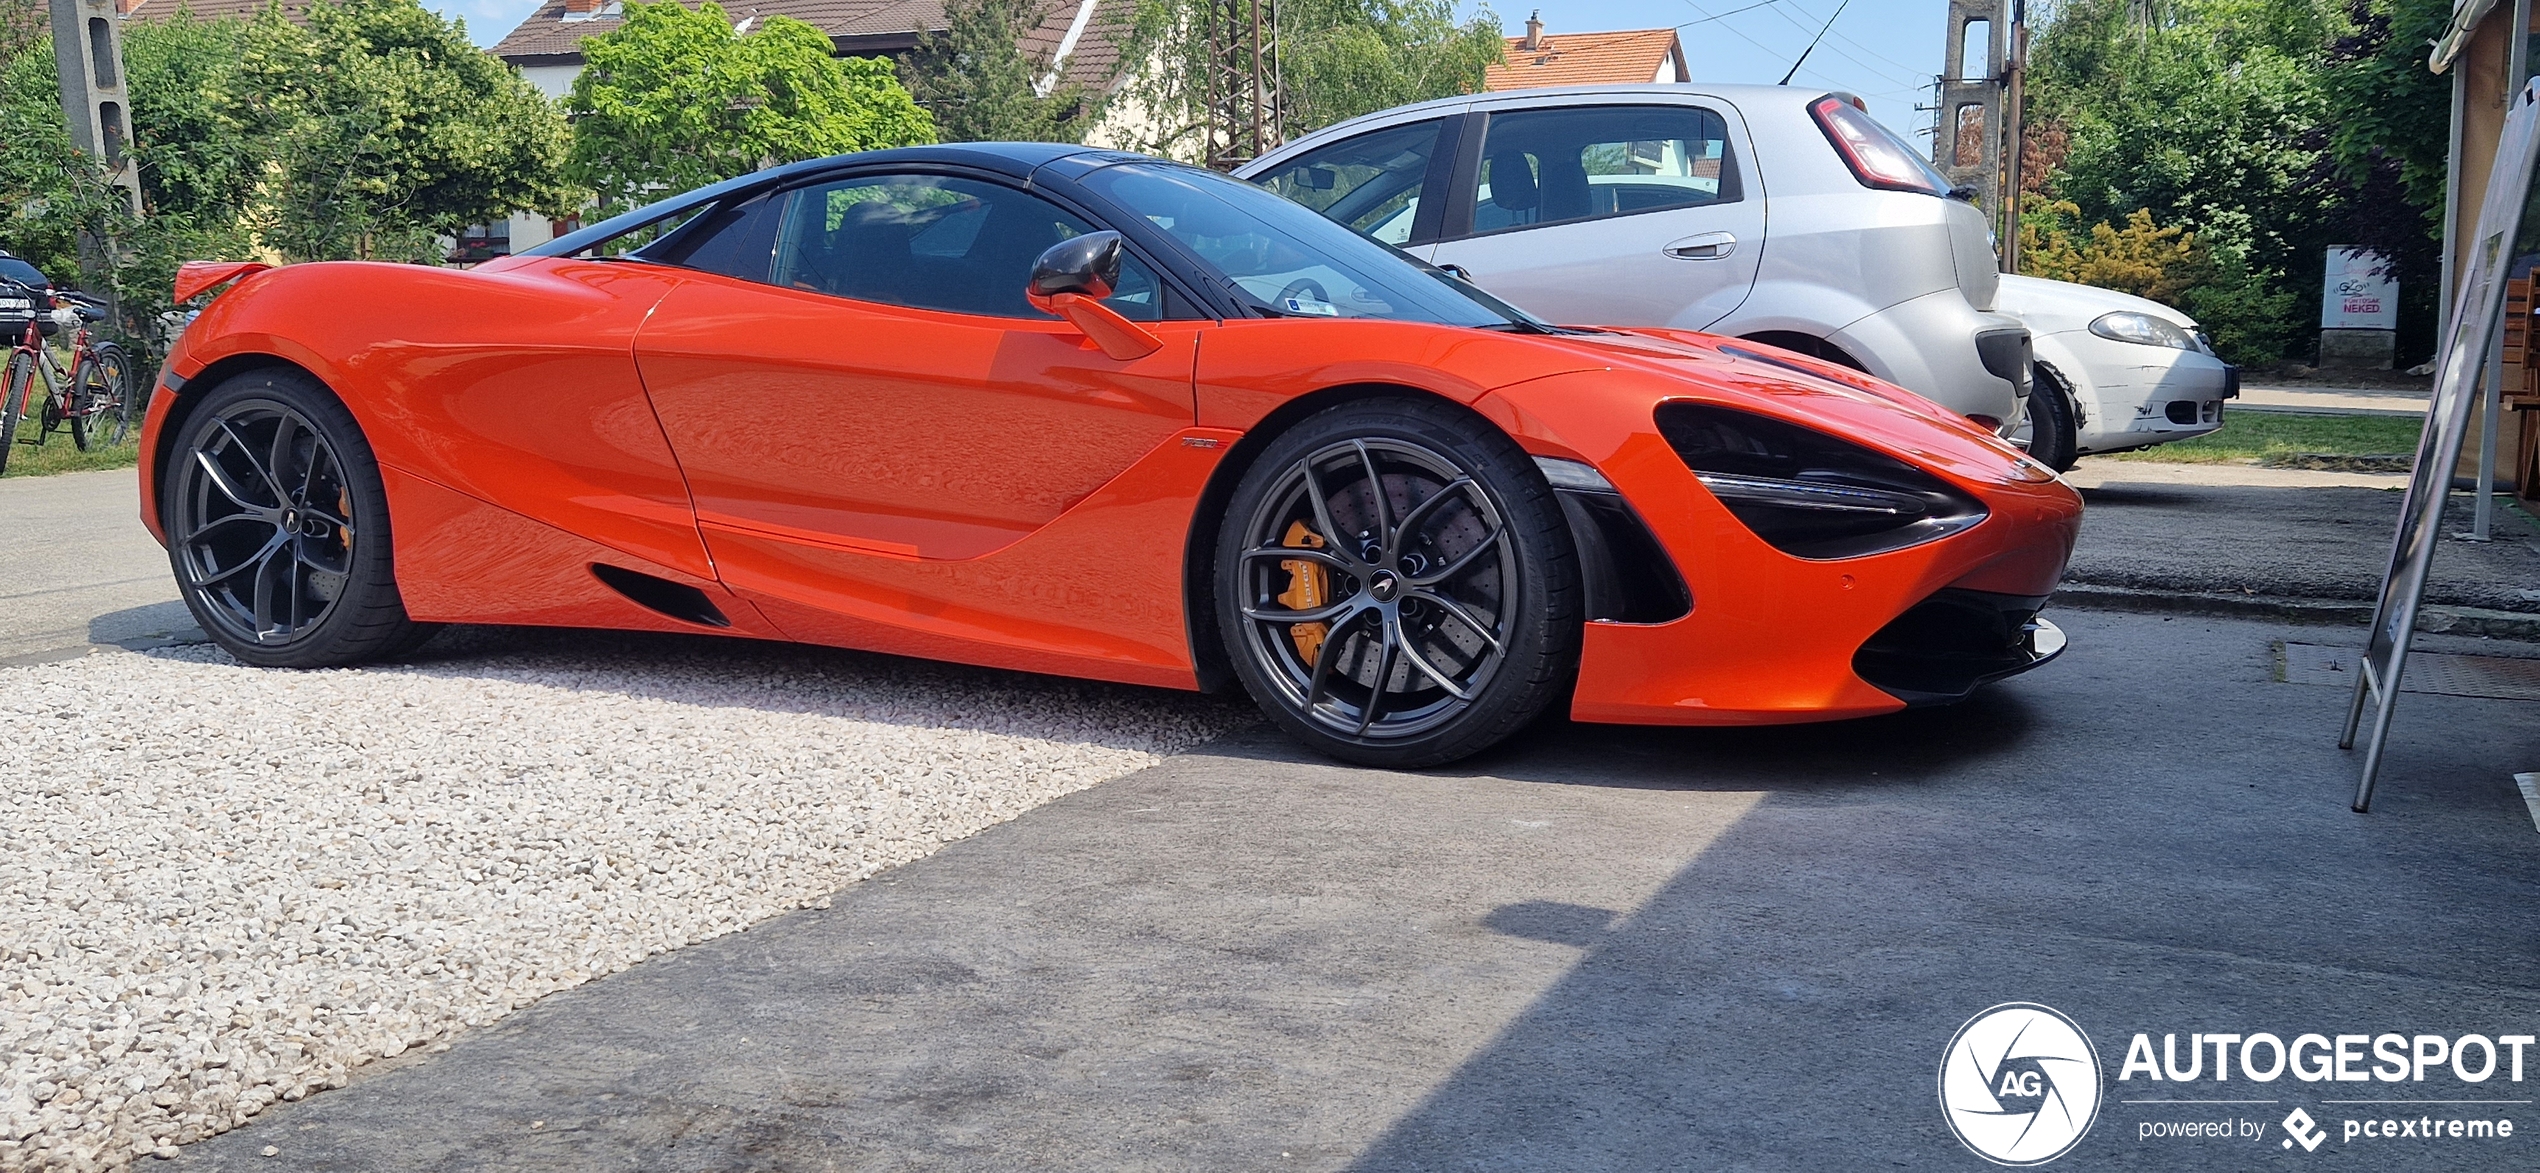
1308	585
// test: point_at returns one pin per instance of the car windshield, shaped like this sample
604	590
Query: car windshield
1290	260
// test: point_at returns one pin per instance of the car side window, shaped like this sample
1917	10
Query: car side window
1586	163
736	240
1370	183
934	242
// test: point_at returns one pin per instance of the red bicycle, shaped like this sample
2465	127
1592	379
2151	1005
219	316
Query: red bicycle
91	397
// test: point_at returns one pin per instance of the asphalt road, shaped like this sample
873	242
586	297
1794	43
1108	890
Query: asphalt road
76	567
1598	949
2309	543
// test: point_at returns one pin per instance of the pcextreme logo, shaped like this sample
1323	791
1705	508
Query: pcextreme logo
2019	1084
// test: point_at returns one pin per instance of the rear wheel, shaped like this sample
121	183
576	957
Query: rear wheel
1396	586
278	527
104	403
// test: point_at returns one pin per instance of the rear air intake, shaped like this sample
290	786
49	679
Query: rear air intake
684	603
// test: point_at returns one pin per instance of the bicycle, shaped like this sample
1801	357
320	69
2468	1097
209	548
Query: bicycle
91	397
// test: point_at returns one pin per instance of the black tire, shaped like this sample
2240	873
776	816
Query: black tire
2053	427
14	388
104	400
1454	630
283	555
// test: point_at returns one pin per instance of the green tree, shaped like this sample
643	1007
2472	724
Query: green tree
674	98
195	157
2389	124
390	130
1338	59
2210	114
977	82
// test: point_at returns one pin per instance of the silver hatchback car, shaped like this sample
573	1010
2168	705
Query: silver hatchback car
1785	216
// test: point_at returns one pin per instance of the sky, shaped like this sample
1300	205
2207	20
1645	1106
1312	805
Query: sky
1887	51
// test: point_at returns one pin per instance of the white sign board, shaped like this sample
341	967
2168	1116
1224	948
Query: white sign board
2356	297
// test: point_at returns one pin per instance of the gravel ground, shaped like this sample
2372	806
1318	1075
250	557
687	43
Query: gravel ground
221	886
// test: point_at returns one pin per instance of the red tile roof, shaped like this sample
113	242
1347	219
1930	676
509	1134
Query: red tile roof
1582	59
214	9
858	27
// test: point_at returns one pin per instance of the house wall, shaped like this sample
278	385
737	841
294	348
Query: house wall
551	80
2484	64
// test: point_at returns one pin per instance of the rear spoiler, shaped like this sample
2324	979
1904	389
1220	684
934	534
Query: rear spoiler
195	277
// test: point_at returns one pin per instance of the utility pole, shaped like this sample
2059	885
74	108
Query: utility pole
2014	135
88	53
1966	147
1244	91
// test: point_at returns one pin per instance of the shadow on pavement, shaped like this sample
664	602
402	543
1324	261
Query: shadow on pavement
1598	949
2171	857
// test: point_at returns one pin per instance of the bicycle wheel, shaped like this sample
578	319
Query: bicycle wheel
21	380
102	411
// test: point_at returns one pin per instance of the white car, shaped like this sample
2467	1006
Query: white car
2121	371
1784	216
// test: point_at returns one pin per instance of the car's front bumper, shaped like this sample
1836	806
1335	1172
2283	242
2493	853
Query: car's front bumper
1771	638
2135	396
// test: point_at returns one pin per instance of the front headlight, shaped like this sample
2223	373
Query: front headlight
1810	494
2129	326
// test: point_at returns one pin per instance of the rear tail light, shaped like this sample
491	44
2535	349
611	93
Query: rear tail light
1810	494
1877	158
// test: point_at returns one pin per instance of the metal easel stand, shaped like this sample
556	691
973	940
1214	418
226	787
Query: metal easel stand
2464	362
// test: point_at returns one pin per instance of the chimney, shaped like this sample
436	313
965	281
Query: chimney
1534	31
582	7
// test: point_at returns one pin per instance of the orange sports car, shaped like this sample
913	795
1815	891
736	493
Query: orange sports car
1074	411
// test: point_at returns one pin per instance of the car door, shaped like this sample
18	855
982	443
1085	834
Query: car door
854	370
1640	214
1388	184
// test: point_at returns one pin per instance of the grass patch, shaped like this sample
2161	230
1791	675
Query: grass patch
58	454
2248	436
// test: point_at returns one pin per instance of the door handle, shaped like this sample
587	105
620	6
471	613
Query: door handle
1709	246
1458	272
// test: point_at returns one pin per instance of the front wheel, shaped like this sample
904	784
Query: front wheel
19	383
1396	586
277	526
2054	429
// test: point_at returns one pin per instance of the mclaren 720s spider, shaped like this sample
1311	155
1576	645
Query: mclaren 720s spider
1080	412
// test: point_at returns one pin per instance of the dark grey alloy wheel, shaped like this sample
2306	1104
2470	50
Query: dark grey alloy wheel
1396	584
278	527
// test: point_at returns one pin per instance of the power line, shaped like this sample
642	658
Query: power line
1736	31
1812	43
1909	78
1792	6
1732	12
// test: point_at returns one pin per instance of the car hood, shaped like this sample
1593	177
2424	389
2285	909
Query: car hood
1834	399
2055	307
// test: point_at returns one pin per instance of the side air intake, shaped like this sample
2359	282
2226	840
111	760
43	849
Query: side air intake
684	603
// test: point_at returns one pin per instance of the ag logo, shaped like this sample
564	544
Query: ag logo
2019	1084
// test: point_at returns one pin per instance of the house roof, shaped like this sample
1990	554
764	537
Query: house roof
210	9
1576	59
856	27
